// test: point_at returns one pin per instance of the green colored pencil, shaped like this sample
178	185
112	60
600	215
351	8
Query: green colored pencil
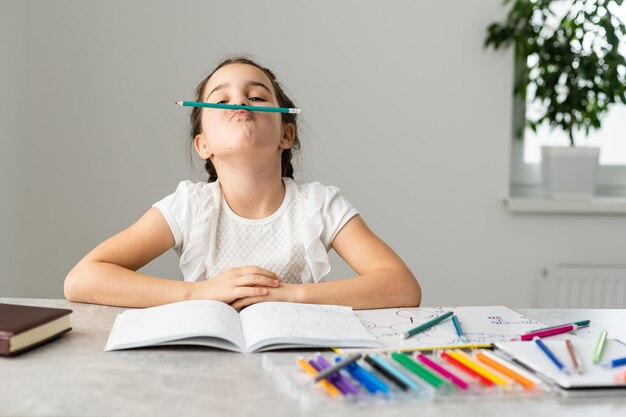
238	107
418	370
597	353
577	323
427	325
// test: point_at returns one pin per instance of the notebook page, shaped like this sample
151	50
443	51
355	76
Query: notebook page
293	323
171	322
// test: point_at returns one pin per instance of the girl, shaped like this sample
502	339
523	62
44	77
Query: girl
251	233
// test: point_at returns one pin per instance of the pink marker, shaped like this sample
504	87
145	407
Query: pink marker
438	368
549	332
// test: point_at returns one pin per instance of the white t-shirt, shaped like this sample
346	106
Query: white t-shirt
293	242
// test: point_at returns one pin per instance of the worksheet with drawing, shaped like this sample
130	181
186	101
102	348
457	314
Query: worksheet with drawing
482	324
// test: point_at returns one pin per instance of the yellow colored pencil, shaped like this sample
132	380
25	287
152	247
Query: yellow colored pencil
422	349
472	364
330	388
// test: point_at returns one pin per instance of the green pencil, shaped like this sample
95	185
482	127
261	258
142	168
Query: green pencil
238	107
427	325
577	323
418	370
597	353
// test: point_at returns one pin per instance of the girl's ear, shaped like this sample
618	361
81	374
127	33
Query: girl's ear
202	147
289	134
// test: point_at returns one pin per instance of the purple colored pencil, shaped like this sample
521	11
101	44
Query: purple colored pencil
333	379
346	382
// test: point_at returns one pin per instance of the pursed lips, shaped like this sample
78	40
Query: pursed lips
241	113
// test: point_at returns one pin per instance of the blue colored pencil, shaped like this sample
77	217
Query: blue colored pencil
549	354
614	363
459	330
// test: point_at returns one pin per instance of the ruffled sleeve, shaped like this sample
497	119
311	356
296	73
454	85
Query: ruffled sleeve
326	213
189	212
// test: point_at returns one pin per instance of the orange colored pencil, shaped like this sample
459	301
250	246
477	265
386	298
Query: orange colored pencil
525	382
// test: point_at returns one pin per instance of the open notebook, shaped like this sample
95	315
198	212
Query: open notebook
263	326
593	376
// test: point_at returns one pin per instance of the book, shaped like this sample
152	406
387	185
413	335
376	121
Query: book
593	378
259	327
25	327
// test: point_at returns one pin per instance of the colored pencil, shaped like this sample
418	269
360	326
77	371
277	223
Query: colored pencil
330	388
597	353
545	349
404	360
459	330
427	325
386	373
382	362
471	363
549	332
333	378
380	385
498	365
443	371
238	107
340	365
424	349
344	381
614	363
485	381
578	365
577	323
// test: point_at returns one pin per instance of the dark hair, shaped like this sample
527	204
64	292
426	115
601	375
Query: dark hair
283	101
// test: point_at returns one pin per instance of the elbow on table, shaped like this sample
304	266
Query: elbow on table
410	295
72	286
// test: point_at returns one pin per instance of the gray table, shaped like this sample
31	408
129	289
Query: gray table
73	376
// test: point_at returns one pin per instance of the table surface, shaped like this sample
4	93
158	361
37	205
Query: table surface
74	376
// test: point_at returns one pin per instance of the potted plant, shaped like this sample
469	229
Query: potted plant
568	61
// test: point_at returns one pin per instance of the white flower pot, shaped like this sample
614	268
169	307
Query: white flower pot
569	172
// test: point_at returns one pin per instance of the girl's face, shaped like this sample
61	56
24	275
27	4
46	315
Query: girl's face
239	137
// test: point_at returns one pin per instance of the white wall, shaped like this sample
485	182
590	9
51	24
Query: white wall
403	109
12	46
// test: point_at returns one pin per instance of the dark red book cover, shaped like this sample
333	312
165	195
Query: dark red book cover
16	319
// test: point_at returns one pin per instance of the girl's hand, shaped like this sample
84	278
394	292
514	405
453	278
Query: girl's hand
285	292
236	283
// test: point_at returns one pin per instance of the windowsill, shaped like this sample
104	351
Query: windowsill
532	200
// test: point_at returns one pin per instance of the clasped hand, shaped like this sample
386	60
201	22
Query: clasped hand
243	286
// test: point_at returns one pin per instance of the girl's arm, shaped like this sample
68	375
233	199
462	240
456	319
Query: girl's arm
383	280
106	275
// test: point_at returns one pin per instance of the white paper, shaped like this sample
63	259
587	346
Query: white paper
483	324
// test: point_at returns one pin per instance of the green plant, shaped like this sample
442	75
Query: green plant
568	53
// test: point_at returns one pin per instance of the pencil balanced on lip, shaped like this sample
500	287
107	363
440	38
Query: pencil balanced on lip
238	107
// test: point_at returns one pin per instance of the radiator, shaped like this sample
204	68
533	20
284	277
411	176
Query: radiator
584	286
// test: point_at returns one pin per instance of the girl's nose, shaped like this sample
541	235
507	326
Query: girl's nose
242	101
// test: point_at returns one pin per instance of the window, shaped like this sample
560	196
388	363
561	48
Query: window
611	138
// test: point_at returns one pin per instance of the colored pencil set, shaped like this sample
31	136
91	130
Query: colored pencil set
438	374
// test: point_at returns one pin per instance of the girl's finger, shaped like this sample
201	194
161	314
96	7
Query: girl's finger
256	280
254	270
242	292
245	302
